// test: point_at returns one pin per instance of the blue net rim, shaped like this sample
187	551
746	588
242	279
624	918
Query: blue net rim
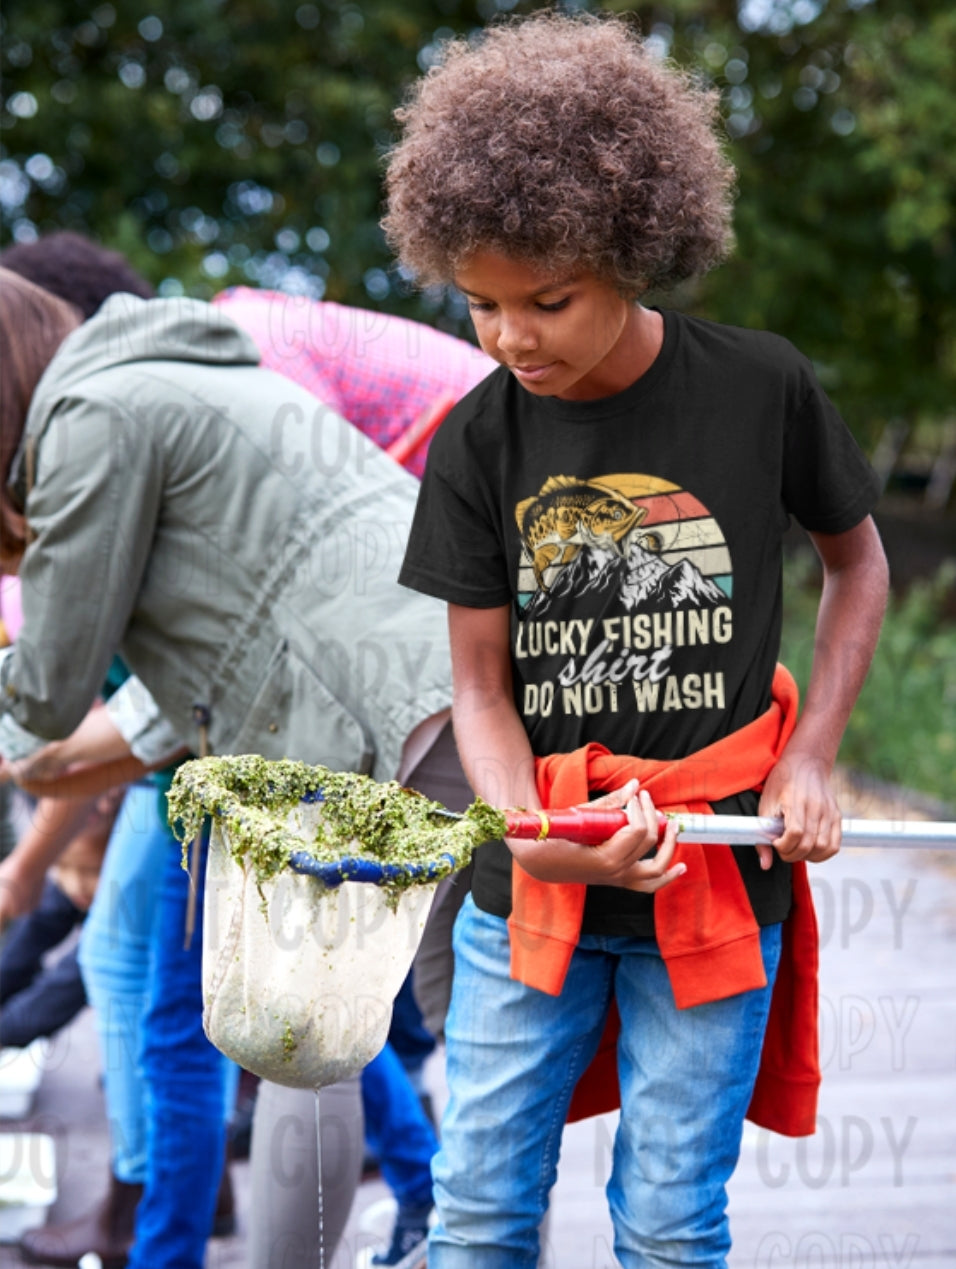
333	873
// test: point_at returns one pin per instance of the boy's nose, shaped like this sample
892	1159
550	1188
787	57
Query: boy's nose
516	337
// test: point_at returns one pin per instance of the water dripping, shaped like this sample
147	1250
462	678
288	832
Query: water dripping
321	1198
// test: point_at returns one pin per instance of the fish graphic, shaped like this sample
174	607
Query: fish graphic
569	513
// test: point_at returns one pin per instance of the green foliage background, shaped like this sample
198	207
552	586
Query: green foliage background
903	729
227	141
222	141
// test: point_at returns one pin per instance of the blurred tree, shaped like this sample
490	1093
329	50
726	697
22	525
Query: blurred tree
216	143
220	143
843	129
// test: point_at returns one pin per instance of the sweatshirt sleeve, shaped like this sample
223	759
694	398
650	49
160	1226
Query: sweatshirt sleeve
92	512
137	718
15	741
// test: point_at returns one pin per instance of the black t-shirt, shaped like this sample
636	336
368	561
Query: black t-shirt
637	539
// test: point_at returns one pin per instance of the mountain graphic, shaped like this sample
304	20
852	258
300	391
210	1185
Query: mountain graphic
593	571
642	580
684	585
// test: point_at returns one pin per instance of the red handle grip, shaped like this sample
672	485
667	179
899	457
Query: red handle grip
588	826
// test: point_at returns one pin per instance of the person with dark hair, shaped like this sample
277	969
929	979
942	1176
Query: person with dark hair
64	261
24	362
603	516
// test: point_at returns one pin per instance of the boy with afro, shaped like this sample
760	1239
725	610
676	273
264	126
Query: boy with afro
603	516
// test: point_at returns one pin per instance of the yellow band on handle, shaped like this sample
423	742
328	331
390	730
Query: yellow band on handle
545	826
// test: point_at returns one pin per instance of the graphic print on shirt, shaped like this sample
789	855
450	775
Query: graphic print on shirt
620	579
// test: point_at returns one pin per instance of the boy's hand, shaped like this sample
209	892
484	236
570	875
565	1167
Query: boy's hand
617	862
798	788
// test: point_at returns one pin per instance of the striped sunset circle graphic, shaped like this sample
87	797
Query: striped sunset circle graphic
651	531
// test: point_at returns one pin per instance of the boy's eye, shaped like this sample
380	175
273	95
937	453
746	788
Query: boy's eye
487	306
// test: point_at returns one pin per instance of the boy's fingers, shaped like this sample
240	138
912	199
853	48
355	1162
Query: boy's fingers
642	815
828	842
618	797
650	885
651	875
665	851
813	835
671	875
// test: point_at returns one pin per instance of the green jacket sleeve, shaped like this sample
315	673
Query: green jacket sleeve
93	510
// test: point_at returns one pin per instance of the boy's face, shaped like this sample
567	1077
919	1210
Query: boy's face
567	335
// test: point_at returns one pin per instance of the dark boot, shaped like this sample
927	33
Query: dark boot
107	1230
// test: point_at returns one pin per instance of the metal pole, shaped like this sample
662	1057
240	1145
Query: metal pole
745	830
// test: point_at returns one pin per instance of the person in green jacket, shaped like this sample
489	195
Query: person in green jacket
148	512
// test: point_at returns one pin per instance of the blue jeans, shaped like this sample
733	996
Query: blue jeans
115	956
514	1056
168	1091
190	1087
397	1129
407	1033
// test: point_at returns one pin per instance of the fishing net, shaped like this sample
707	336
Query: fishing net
299	970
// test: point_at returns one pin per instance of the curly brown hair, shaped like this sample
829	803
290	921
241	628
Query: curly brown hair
560	140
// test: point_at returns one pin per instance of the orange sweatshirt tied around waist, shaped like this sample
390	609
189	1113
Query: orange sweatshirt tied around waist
706	930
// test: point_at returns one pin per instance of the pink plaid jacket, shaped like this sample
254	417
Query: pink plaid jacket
380	372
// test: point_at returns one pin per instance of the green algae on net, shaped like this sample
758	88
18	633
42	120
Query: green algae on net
251	799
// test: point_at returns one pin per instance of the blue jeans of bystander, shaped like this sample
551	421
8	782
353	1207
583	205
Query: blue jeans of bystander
397	1130
189	1087
115	954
